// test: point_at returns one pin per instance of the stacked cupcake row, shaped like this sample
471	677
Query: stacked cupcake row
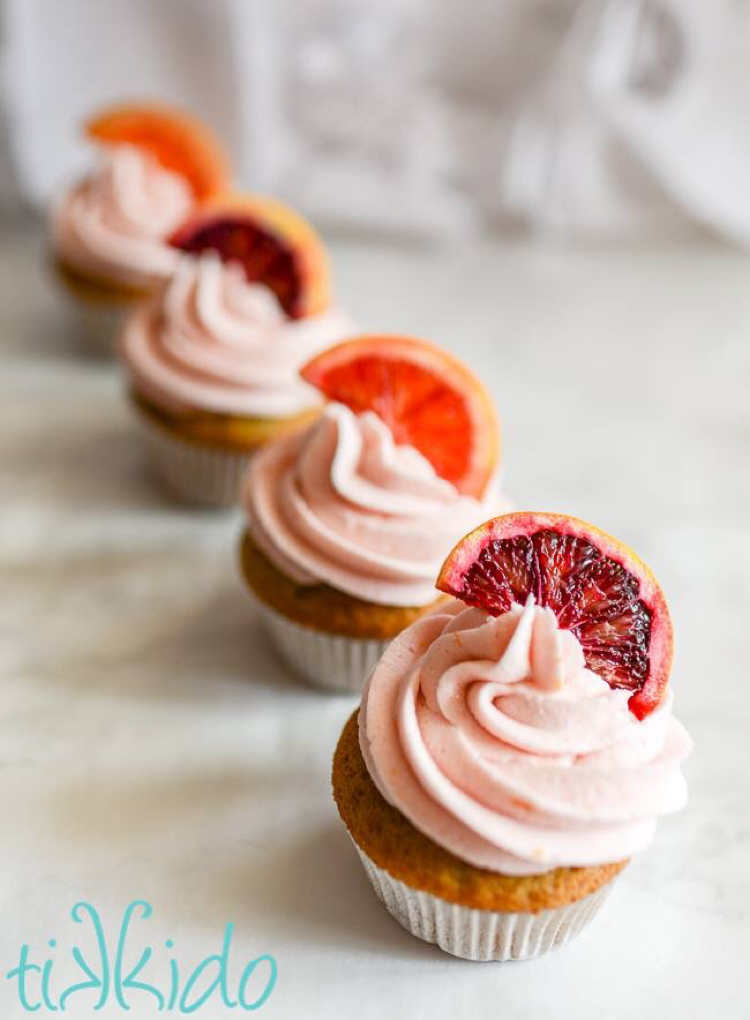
515	743
358	463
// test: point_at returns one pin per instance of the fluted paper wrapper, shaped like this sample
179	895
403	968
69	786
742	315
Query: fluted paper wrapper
327	661
481	935
197	473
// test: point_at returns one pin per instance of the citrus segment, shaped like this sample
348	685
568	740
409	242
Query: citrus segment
428	399
273	244
597	588
177	140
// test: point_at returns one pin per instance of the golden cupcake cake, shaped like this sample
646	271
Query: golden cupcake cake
213	358
110	232
349	519
515	747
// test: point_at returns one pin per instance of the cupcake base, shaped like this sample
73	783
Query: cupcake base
481	935
329	662
198	474
330	639
467	911
319	607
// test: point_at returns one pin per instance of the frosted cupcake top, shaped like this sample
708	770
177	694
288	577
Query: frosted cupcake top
342	504
114	224
212	340
492	737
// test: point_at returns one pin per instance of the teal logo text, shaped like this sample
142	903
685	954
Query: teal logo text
106	977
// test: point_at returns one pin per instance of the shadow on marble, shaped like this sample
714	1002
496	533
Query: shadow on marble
231	647
92	460
38	318
203	797
315	890
180	644
94	465
185	823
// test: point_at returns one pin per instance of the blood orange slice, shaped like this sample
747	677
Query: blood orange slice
179	141
273	244
597	588
428	398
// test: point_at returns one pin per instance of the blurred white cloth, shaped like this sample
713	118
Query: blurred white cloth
588	117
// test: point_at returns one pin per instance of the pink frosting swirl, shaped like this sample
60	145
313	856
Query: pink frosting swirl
341	503
114	223
212	340
492	738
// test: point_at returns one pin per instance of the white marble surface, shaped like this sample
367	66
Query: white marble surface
152	747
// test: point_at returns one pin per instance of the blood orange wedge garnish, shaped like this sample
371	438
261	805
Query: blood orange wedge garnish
177	140
273	244
597	588
428	398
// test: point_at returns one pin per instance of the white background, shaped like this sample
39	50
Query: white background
589	117
152	746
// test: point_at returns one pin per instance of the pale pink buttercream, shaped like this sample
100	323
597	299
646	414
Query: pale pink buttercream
492	738
114	224
212	340
342	504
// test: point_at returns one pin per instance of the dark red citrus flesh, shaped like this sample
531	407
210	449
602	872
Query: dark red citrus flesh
592	595
264	257
415	403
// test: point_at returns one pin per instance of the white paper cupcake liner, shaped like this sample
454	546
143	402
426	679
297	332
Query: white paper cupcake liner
327	661
481	935
199	474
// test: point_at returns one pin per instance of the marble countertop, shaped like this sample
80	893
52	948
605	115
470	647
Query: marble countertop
153	748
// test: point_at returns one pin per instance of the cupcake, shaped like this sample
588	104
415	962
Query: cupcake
514	748
110	231
213	358
349	519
